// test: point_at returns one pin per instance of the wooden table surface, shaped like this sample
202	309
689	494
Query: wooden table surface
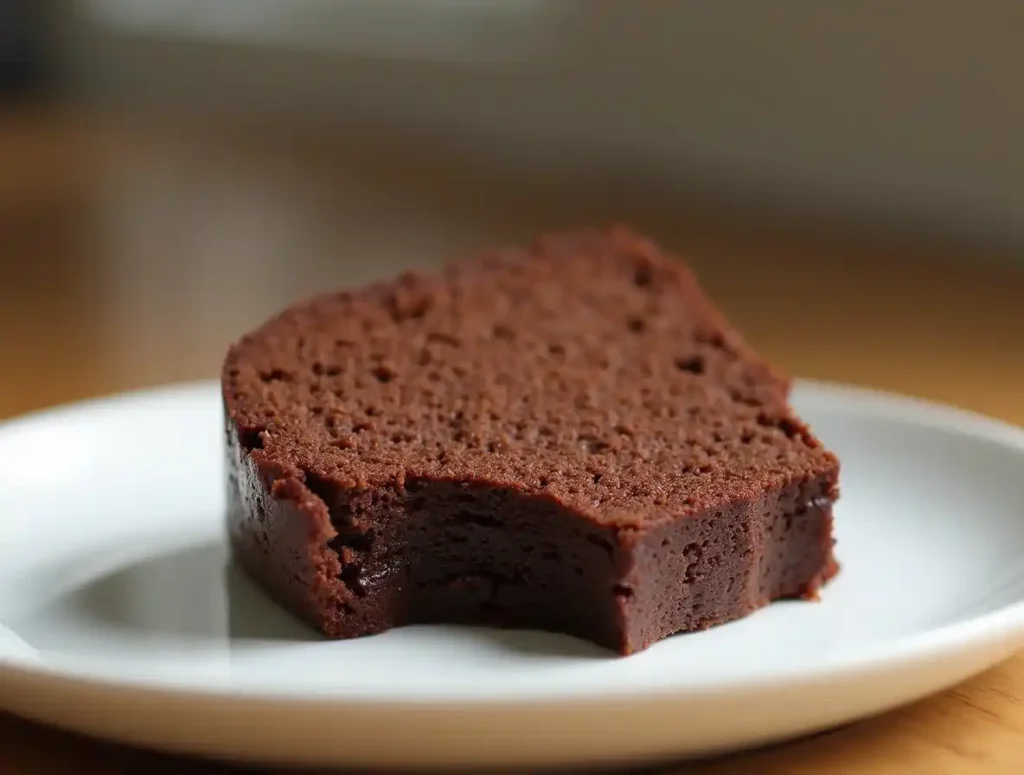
130	256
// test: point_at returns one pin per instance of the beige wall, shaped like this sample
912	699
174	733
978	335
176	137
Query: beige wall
913	109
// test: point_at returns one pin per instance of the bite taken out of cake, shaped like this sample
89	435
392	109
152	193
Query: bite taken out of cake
566	436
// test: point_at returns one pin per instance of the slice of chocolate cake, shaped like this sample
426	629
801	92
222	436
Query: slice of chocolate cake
566	437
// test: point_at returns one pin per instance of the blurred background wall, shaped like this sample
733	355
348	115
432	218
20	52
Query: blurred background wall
174	171
908	113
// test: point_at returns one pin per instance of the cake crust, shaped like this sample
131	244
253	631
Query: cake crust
567	436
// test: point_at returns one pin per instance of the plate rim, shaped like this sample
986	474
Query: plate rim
993	629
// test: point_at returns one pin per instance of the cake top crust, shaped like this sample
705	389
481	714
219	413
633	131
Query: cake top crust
588	367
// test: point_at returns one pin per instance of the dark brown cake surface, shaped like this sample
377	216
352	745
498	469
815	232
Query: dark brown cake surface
567	436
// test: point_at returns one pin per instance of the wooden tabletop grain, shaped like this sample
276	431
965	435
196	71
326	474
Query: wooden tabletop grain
130	254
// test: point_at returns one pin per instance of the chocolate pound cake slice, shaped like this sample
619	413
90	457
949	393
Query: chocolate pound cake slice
567	437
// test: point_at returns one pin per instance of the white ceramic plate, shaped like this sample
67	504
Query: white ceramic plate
122	618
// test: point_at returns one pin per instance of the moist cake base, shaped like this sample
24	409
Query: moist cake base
474	553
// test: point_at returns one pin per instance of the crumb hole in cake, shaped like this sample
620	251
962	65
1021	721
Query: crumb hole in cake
384	374
622	590
478	518
642	276
602	543
636	324
692	553
441	338
275	375
402	309
250	438
326	370
790	428
597	478
356	541
321	488
594	446
694	364
351	578
501	331
715	339
556	349
740	398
